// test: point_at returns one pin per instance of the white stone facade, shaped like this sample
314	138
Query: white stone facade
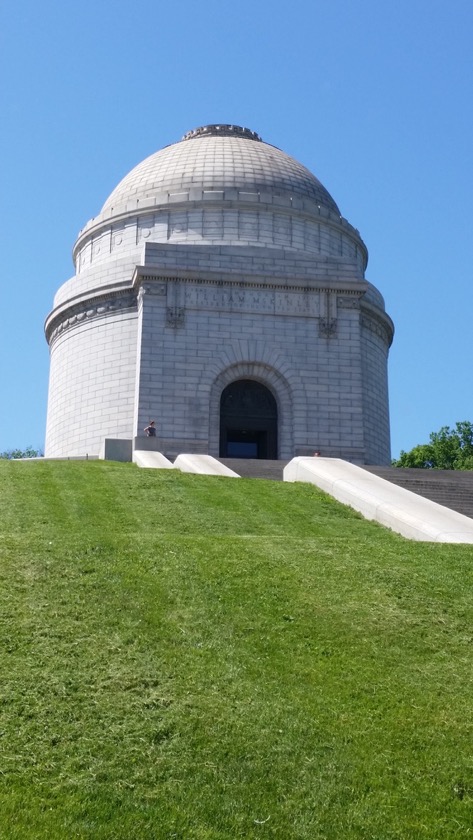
220	260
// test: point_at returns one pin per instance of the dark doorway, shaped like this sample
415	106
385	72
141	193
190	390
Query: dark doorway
248	421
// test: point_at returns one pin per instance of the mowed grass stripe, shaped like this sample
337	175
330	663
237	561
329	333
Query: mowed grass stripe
205	658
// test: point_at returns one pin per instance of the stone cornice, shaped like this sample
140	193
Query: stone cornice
155	281
86	308
377	321
289	283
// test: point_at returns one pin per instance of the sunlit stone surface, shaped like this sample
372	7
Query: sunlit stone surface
220	292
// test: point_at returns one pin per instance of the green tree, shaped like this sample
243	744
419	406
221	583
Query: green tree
448	449
29	452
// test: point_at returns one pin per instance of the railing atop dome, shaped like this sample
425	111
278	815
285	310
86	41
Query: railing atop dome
222	131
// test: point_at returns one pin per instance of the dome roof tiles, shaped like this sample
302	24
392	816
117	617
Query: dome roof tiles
214	162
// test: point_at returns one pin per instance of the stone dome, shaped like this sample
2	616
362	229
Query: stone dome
221	185
218	158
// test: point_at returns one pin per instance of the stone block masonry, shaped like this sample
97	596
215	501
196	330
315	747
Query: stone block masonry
220	292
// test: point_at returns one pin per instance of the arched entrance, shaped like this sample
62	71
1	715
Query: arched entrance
248	421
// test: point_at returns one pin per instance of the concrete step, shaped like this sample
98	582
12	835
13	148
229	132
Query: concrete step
256	467
451	488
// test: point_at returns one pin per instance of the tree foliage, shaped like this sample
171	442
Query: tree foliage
448	449
13	454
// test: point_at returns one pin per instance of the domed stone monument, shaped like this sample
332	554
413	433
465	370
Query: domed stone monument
220	292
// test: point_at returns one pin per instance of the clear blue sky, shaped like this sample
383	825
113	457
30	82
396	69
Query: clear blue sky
374	97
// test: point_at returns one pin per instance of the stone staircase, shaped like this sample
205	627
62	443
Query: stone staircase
451	488
256	467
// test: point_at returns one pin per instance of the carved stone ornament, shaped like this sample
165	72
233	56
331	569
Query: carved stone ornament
222	130
175	316
327	327
90	309
348	301
151	289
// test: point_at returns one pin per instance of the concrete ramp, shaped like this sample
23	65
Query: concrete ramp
203	465
151	460
375	498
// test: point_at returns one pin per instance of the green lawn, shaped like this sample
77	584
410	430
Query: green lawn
208	659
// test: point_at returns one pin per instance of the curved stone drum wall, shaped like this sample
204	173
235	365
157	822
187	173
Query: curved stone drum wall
216	259
92	383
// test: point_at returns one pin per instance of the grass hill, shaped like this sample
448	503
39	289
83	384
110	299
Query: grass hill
208	659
